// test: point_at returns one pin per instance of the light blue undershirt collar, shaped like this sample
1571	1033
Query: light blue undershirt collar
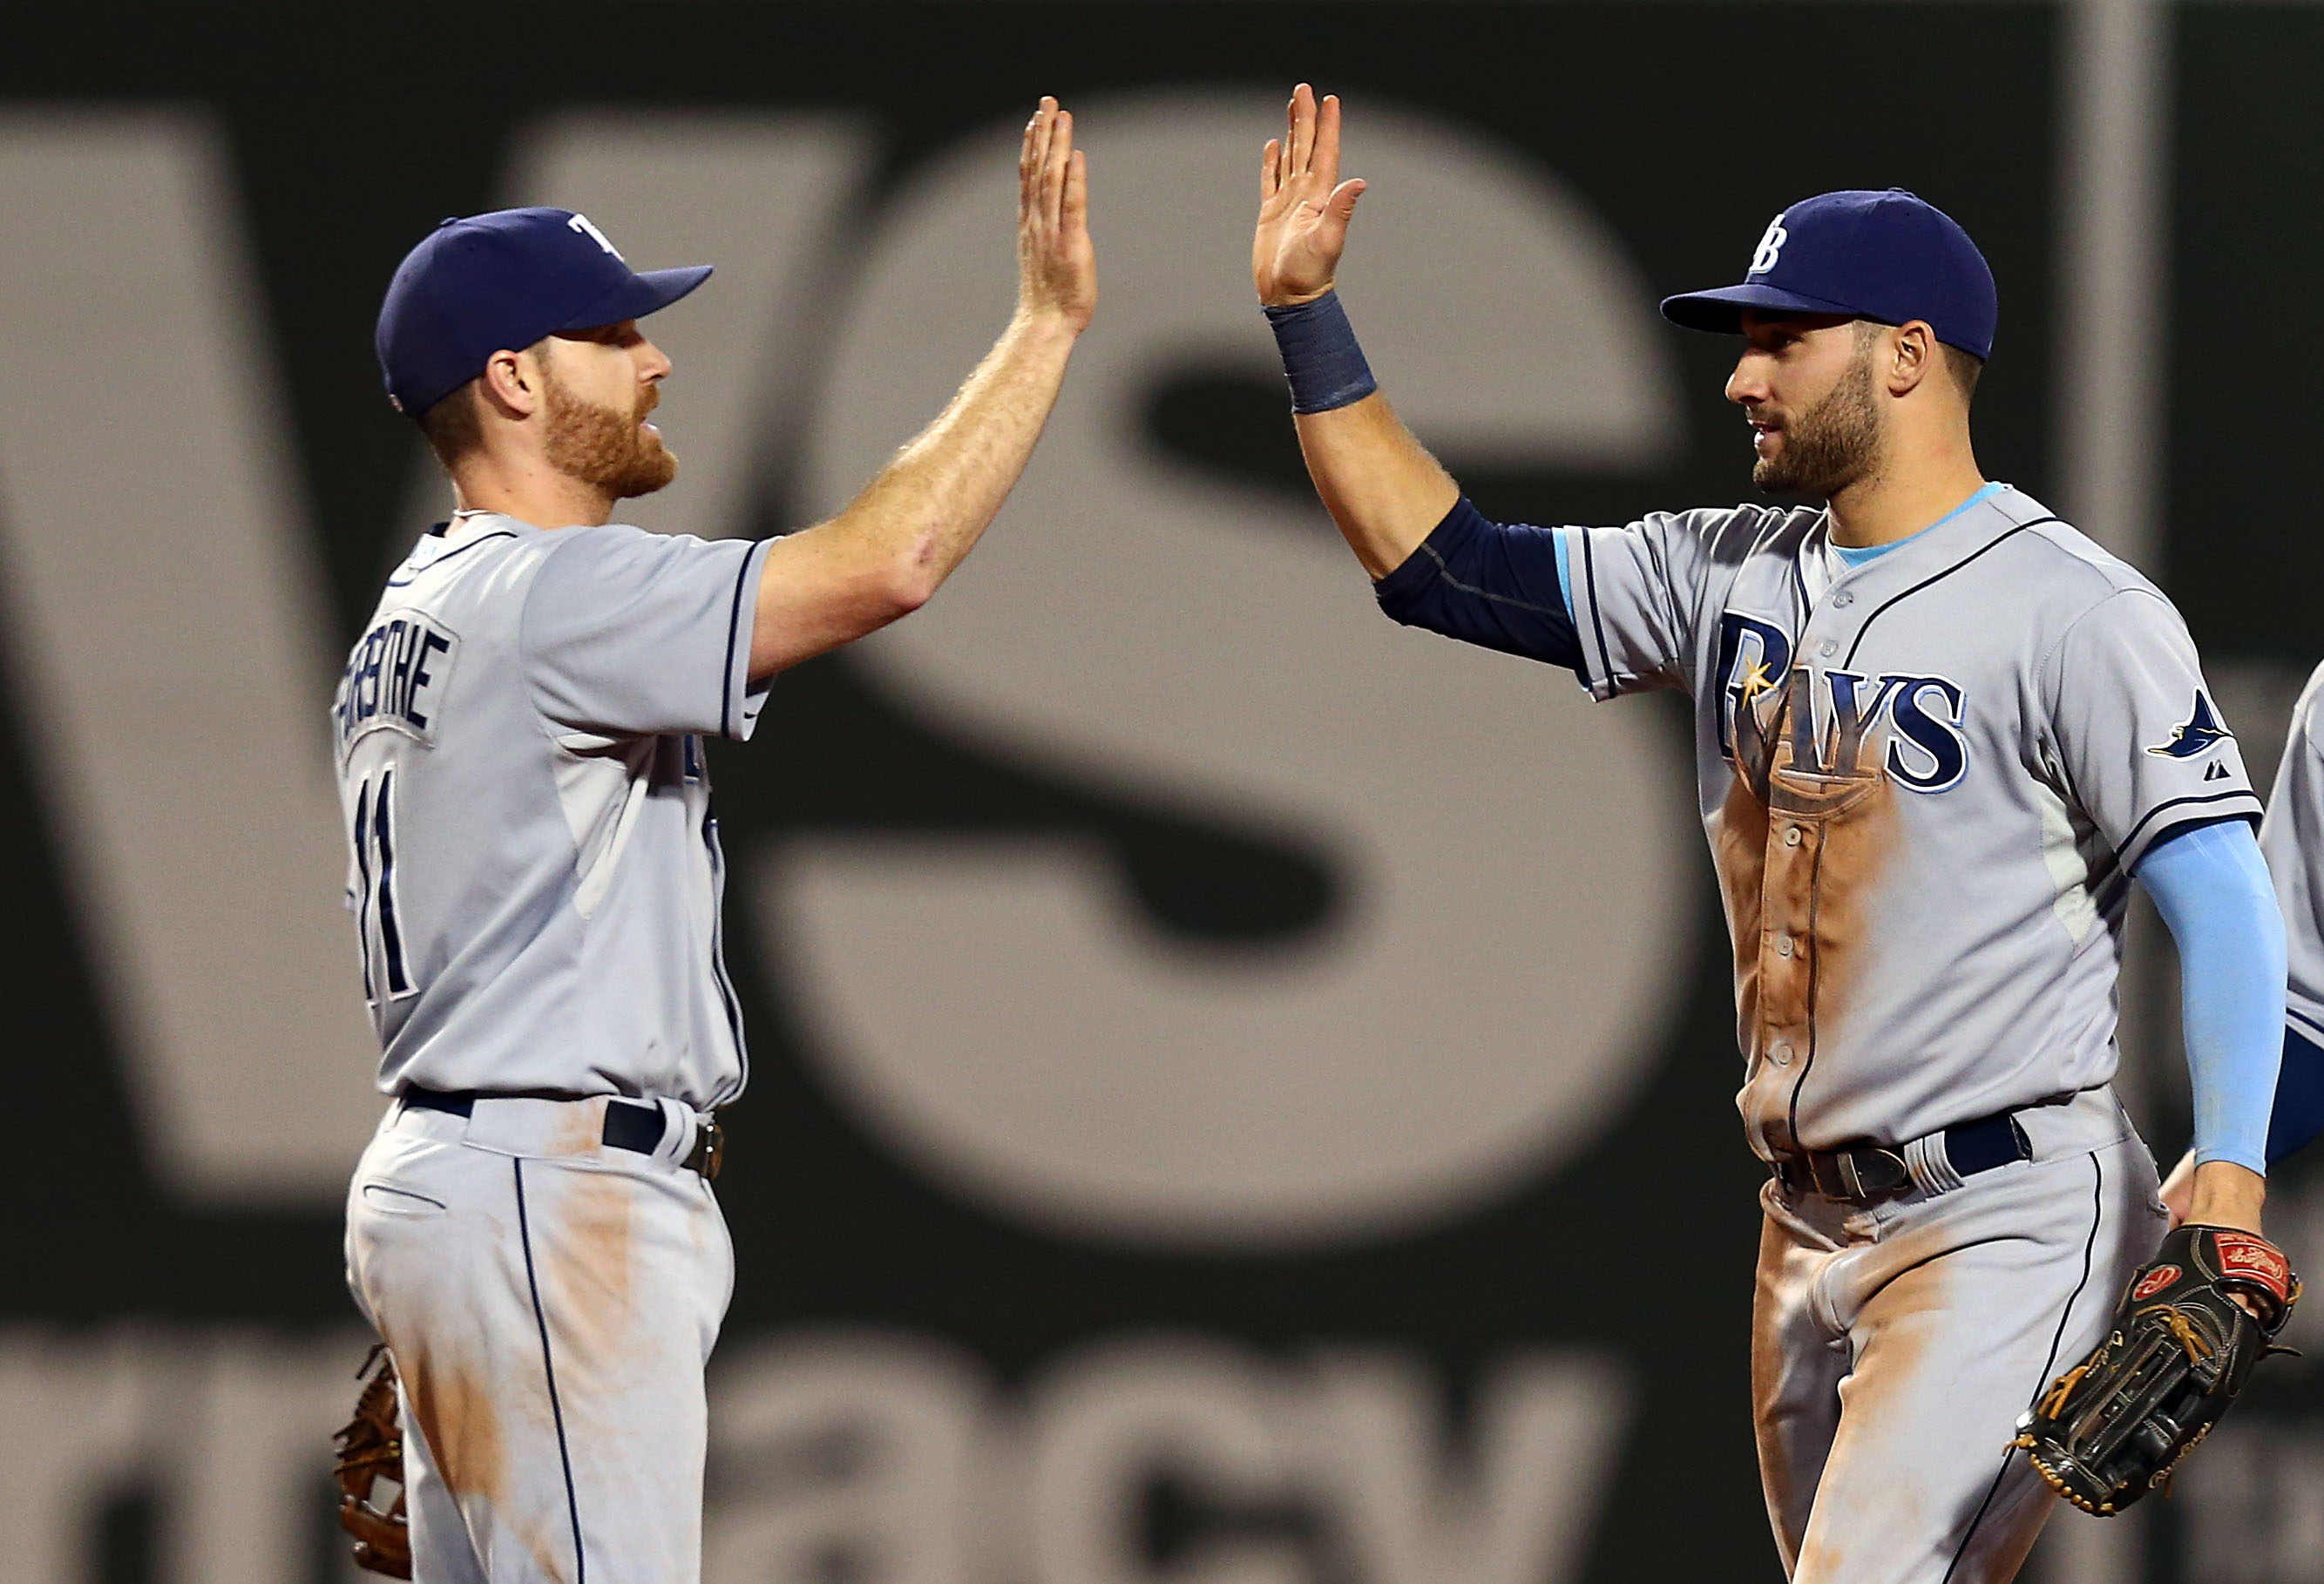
1858	557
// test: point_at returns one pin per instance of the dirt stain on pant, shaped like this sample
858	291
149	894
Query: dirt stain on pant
455	1412
586	1275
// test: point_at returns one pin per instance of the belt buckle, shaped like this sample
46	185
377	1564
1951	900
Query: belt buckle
1850	1166
709	1150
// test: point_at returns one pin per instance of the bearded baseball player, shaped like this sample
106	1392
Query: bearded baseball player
1938	731
536	874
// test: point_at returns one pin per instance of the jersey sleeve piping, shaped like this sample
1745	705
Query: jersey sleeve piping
2141	841
738	709
1598	666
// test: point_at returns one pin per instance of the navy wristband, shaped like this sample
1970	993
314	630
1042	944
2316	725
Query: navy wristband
1320	359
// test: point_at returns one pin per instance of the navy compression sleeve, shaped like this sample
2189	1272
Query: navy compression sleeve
1486	583
2212	889
2299	1098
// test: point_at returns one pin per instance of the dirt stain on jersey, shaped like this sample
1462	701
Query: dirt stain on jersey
1802	838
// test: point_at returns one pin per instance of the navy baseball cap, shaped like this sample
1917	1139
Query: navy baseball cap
1887	256
476	286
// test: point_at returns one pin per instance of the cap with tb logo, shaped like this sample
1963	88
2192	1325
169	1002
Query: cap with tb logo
476	286
1887	256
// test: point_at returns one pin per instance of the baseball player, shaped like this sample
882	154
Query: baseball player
537	876
1937	732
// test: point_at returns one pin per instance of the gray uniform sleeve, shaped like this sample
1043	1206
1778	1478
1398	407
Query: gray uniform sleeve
2141	743
2291	838
1637	594
629	633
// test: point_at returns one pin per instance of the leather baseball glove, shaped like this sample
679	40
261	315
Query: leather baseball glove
370	1449
2114	1427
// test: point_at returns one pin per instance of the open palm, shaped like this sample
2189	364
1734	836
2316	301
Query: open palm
1304	207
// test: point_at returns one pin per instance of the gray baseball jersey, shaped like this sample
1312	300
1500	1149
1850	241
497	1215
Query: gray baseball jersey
1925	780
2291	838
534	869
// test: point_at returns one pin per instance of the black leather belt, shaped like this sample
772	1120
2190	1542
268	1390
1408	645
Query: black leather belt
1872	1171
631	1125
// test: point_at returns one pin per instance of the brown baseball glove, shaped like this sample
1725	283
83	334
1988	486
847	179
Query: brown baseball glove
370	1449
2180	1348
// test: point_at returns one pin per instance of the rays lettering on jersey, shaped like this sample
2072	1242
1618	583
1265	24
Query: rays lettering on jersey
1832	717
395	677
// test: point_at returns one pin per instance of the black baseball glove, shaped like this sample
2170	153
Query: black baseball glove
2113	1427
370	1449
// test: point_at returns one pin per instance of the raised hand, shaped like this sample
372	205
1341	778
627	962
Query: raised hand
1056	261
1304	207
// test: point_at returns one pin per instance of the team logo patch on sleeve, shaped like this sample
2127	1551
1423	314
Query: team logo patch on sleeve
2201	730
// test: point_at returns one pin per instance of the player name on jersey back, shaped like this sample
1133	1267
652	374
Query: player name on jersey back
395	677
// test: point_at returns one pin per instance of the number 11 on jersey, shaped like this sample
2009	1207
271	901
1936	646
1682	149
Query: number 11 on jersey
375	900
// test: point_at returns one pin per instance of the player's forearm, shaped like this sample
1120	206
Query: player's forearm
927	508
2212	889
885	555
1380	485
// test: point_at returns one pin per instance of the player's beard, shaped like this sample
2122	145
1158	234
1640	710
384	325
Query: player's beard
1830	445
612	450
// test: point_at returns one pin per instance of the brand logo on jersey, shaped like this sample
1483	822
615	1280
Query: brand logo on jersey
582	223
1770	248
2202	729
1832	720
395	677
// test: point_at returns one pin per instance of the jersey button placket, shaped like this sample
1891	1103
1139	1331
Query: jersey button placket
1788	885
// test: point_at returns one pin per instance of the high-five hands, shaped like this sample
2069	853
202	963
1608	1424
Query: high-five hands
1056	265
1304	207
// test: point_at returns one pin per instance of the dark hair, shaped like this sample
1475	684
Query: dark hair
1962	367
453	427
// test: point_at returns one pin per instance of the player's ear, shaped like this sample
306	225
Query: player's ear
1912	357
511	384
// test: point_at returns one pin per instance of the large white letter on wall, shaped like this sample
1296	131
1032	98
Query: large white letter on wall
165	635
1512	855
